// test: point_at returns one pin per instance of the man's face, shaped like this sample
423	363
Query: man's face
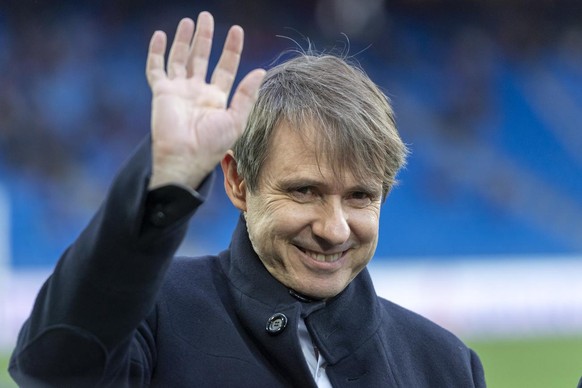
313	230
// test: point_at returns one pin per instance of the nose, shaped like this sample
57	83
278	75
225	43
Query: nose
331	224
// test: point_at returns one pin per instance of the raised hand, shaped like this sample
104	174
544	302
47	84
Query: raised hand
192	126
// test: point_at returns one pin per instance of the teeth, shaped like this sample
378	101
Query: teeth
324	258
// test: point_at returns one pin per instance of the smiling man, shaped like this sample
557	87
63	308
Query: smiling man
313	228
309	153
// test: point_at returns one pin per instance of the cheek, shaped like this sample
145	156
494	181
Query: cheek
280	214
270	220
365	225
366	232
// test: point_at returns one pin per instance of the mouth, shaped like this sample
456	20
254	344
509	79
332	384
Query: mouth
323	258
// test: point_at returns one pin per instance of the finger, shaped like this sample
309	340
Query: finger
155	59
246	94
180	50
225	71
201	46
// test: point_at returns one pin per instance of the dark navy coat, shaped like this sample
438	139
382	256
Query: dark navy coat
119	311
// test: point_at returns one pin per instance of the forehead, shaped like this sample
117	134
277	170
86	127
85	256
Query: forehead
299	153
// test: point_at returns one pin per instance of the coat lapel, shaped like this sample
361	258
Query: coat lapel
343	328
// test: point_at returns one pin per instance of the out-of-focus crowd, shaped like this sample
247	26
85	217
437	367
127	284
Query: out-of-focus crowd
74	102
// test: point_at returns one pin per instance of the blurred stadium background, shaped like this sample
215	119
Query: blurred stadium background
484	232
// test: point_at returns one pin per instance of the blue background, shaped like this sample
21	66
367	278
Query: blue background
488	97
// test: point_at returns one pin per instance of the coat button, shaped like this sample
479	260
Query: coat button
276	324
158	217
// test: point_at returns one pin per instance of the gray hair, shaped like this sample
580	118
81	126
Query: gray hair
353	118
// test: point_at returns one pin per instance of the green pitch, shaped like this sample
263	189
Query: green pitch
531	363
5	380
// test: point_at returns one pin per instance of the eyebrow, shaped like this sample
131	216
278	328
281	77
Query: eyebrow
290	183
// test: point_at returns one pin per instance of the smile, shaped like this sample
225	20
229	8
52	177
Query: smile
323	258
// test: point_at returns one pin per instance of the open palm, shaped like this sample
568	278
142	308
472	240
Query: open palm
192	126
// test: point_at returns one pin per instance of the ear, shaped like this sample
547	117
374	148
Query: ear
234	184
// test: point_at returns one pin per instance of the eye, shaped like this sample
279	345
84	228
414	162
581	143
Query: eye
359	195
304	190
360	198
303	193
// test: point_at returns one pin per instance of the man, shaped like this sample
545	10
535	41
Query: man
290	303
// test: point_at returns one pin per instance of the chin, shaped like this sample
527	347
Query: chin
320	293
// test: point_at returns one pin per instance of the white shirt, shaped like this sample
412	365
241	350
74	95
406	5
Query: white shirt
314	359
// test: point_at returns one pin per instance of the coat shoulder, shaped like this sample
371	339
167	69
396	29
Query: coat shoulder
199	275
412	325
425	348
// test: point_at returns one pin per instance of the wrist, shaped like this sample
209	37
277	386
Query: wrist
173	176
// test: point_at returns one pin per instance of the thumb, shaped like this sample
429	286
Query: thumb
246	95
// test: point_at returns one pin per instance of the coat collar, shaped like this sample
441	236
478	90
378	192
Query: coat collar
338	326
